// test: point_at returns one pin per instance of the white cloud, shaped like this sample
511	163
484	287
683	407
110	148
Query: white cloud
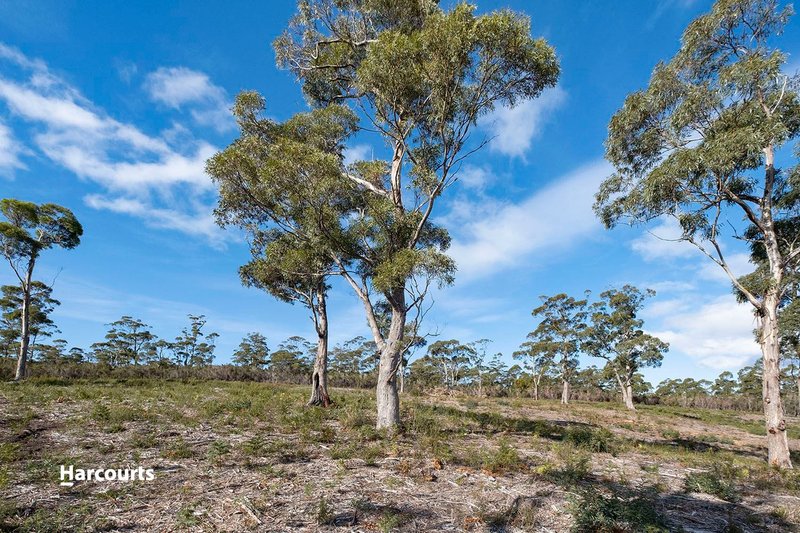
199	223
514	128
739	263
551	219
10	152
357	152
143	171
181	87
718	332
662	242
474	177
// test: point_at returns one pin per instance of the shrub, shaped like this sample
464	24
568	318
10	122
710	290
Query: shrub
505	458
575	463
598	440
595	511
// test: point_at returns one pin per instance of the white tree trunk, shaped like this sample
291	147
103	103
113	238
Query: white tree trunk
319	376
777	440
25	319
388	400
565	392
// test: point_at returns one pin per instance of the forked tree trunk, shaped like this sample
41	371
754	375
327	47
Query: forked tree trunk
627	396
391	356
25	320
565	392
627	391
319	376
777	439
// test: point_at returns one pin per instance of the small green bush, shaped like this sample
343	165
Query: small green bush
634	513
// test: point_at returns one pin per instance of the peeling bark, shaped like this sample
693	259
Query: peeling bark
319	377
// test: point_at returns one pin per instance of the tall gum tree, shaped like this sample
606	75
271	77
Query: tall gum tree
418	77
28	230
281	183
699	144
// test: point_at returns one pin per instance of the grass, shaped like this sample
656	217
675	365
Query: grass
294	457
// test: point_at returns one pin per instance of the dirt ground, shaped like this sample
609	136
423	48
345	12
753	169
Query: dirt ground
252	457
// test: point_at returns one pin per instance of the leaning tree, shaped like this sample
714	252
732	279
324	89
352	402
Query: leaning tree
27	231
418	77
699	144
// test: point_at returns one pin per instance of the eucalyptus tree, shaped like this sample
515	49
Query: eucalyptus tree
538	358
353	360
724	385
252	351
615	334
476	356
28	230
41	305
131	340
699	144
280	183
195	347
453	359
557	337
418	77
292	271
291	359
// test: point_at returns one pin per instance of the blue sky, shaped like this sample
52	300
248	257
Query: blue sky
111	109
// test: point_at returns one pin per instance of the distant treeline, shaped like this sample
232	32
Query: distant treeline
354	364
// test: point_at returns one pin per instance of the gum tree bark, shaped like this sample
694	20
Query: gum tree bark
319	375
25	320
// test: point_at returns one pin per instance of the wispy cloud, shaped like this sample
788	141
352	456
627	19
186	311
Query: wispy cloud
716	332
663	243
514	128
552	219
181	87
139	172
10	152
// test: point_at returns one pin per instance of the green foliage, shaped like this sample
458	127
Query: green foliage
505	459
128	341
41	305
720	480
615	334
593	510
575	463
194	347
689	145
555	343
599	440
252	351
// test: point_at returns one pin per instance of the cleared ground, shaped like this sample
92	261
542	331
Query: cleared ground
247	456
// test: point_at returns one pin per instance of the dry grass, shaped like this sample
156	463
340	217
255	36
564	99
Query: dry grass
246	456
